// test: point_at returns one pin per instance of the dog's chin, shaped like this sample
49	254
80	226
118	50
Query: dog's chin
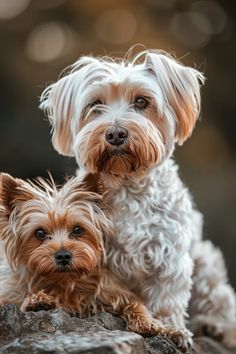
122	161
65	273
78	273
116	161
64	269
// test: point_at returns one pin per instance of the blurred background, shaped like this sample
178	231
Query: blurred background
41	37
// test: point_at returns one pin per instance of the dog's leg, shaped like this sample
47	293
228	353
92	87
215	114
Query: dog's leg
37	302
116	298
212	304
138	319
167	294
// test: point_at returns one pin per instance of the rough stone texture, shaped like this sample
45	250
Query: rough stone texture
56	332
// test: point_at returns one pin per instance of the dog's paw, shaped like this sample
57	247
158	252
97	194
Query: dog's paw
149	326
182	338
38	302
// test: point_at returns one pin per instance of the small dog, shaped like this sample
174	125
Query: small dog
121	120
55	253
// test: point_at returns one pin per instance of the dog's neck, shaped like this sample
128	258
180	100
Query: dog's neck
107	182
113	182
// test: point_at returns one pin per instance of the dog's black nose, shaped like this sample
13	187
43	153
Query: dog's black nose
116	135
63	257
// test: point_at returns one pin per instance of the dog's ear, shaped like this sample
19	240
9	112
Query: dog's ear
57	102
87	190
180	87
88	186
61	102
12	191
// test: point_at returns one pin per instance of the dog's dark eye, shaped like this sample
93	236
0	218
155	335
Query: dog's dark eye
40	234
91	105
141	103
95	103
77	231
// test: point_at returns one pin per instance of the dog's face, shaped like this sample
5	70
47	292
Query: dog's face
53	233
123	117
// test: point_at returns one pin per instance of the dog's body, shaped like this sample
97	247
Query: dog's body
159	244
152	245
53	255
121	120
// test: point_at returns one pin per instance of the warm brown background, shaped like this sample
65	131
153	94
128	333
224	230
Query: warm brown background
40	37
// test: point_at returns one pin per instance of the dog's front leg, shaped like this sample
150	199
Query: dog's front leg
167	294
116	298
38	301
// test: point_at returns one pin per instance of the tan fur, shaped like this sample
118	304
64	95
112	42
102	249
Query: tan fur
100	156
32	278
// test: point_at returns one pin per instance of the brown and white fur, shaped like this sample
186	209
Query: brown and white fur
121	120
53	254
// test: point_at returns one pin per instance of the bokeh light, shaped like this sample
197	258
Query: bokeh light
214	13
12	8
191	29
49	41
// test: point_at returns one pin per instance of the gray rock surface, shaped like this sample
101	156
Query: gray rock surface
56	332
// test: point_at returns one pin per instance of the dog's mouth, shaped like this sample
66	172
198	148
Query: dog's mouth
119	151
113	155
64	269
80	273
106	155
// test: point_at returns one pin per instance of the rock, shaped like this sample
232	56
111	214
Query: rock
56	332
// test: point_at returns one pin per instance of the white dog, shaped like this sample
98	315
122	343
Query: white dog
121	120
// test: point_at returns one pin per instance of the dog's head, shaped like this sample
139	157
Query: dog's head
53	233
121	117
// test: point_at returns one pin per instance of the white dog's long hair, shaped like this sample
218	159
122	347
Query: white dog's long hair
96	92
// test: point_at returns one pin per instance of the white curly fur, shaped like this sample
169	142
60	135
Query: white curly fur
151	252
158	249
